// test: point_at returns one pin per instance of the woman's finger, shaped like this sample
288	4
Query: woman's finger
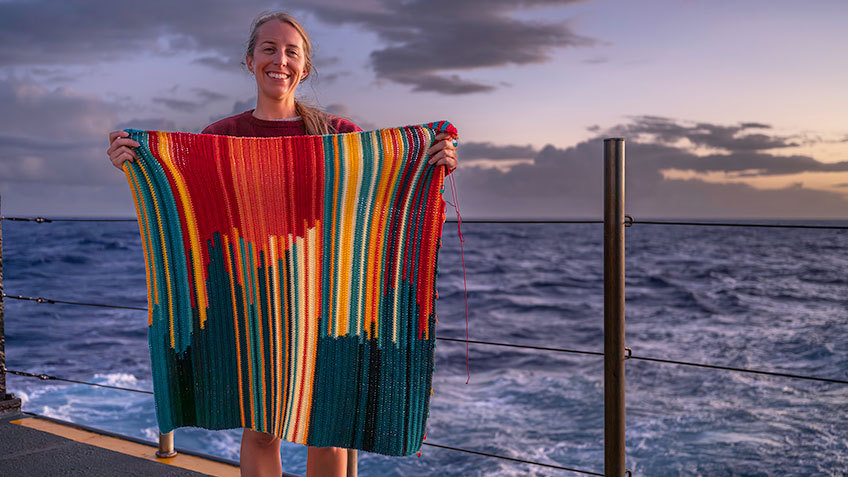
444	143
436	157
435	148
447	161
123	152
116	134
118	161
121	142
449	154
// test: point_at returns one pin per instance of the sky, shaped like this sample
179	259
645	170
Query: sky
729	109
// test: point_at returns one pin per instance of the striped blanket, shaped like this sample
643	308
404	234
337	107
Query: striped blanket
291	282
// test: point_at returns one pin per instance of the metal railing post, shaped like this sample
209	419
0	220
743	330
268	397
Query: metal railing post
166	445
8	402
614	307
351	463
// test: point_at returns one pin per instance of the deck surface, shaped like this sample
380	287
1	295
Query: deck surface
32	446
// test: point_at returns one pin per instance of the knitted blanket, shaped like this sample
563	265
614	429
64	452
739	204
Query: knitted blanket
291	282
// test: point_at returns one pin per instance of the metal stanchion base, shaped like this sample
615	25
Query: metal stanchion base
10	404
163	455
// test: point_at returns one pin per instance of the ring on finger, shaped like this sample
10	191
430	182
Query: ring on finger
455	142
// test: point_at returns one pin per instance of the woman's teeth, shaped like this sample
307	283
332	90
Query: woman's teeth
278	75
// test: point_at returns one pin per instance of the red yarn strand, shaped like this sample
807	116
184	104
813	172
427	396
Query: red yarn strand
462	256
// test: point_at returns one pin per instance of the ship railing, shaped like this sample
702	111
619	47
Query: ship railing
615	353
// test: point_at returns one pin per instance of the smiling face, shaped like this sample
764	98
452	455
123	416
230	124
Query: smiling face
278	61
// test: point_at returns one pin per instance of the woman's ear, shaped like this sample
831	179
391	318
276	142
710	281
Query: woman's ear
248	60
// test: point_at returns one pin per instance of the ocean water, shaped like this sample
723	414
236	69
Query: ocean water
769	299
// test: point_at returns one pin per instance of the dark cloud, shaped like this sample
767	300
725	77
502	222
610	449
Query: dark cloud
53	136
242	106
423	38
209	96
33	143
149	124
744	151
448	84
342	110
238	107
216	62
487	150
755	125
729	138
182	105
329	78
35	32
569	183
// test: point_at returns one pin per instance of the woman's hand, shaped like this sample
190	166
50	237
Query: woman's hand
119	148
443	152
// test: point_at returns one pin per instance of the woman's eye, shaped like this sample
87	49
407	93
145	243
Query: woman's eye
293	52
269	50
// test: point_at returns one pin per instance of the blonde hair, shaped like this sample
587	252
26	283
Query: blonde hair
315	121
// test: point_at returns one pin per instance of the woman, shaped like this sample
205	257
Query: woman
279	56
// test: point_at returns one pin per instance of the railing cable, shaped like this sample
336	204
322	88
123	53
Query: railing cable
523	221
52	301
552	466
543	348
630	222
56	378
741	370
739	224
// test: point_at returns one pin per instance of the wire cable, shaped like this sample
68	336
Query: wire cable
740	370
524	221
52	301
56	378
552	466
528	221
749	225
560	350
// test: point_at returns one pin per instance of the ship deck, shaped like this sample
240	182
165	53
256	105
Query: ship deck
38	445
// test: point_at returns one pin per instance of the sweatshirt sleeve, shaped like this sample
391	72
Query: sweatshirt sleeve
343	125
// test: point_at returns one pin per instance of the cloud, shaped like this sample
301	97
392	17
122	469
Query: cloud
149	124
422	38
742	152
342	110
447	84
184	105
216	62
178	104
734	138
569	183
487	150
208	95
38	31
53	136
